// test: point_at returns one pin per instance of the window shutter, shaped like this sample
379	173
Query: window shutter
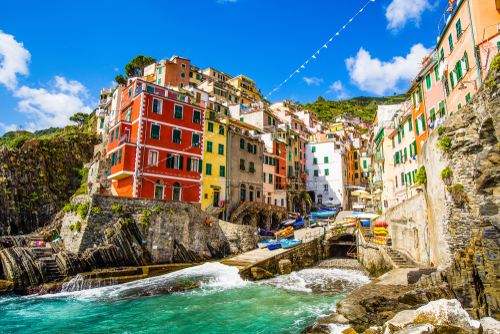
415	147
188	164
254	149
200	166
169	160
242	143
411	151
451	79
181	160
422	117
466	59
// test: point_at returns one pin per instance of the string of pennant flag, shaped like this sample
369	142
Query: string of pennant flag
317	52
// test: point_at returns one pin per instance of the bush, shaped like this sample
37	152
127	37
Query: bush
18	142
96	210
70	208
83	209
145	221
171	210
117	208
457	194
78	225
146	212
446	173
444	143
129	220
158	209
421	176
71	227
440	130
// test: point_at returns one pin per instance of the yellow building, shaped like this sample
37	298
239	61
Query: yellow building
246	87
194	75
216	75
214	159
337	127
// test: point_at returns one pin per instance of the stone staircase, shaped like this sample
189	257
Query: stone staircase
45	254
399	260
367	230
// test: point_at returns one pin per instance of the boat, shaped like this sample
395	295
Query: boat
291	243
380	224
365	223
266	233
323	213
294	215
298	225
288	222
265	243
274	245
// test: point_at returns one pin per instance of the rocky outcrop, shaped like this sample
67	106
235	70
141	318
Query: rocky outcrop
36	180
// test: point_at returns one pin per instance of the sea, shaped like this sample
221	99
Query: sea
223	303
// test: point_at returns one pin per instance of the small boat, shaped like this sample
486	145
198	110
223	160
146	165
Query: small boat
288	222
380	224
294	215
365	223
265	243
291	243
274	245
298	225
266	233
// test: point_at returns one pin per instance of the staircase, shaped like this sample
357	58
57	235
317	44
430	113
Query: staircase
36	237
44	254
367	231
399	260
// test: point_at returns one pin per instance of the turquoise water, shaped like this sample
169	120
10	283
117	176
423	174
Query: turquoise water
223	304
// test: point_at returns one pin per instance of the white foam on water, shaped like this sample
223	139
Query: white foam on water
337	329
292	282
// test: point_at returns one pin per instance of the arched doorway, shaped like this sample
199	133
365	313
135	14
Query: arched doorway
312	195
247	220
250	194
159	189
243	193
263	221
275	221
176	193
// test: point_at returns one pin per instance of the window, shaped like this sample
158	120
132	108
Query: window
221	149
270	178
196	117
195	140
120	156
155	131
428	81
327	172
153	158
326	160
436	73
458	70
393	142
117	133
450	42
410	125
222	171
128	114
209	146
193	165
465	59
356	175
102	123
130	92
178	111
330	136
325	187
210	127
458	25
289	155
208	169
159	70
364	164
157	106
159	189
459	106
442	53
242	164
242	119
112	136
197	77
315	161
159	81
183	65
221	130
313	149
396	178
274	122
242	143
355	154
252	167
356	165
175	161
316	172
254	149
290	170
176	136
416	126
190	74
467	97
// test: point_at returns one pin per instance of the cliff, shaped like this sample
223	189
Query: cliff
37	179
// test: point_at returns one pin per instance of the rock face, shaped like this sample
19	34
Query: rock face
259	273
489	326
37	179
6	287
284	267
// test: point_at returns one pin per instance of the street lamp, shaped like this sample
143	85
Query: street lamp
463	86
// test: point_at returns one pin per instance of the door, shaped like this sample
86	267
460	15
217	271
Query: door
158	192
216	198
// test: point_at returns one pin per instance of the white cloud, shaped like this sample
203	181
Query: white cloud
44	107
400	12
338	88
223	1
375	76
116	69
8	128
312	81
14	59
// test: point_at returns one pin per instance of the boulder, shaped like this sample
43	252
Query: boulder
6	287
417	329
259	273
400	321
447	315
284	267
489	326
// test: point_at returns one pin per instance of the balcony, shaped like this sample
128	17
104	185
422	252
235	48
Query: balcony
104	101
369	168
127	139
369	153
100	113
379	157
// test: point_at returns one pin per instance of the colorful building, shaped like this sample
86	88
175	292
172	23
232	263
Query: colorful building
418	112
433	92
156	147
173	72
246	87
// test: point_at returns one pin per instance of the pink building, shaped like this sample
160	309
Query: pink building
433	90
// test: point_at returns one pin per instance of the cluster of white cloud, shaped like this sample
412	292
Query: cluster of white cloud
399	12
312	81
338	88
45	107
375	76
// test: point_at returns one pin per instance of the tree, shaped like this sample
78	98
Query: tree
80	118
120	79
137	65
320	99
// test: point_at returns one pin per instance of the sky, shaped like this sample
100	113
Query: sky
56	59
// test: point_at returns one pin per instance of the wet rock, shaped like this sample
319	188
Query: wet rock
284	267
259	273
447	315
489	326
6	287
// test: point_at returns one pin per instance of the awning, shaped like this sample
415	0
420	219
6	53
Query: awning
358	206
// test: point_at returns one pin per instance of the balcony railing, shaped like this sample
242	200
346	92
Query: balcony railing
379	157
104	101
100	113
127	139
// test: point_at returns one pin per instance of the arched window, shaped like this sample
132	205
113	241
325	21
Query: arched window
243	193
250	193
159	189
176	196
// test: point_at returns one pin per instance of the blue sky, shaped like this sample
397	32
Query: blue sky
55	60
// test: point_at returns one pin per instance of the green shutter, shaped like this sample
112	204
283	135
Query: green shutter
451	79
181	162
428	81
188	164
466	58
208	169
200	166
222	171
242	143
169	160
436	73
399	137
221	149
254	149
410	124
397	158
209	146
393	143
402	178
415	147
411	151
450	42
423	121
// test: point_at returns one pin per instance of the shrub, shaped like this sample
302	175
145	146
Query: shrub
18	142
145	221
171	210
158	209
71	227
421	176
186	210
440	130
96	210
129	220
457	194
444	143
446	173
117	208
69	208
83	209
146	212
5	166
78	225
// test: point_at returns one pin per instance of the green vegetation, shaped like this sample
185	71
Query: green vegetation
137	65
457	194
363	106
186	210
128	220
421	176
83	209
80	118
96	210
145	221
78	225
491	83
146	212
70	208
83	173
117	208
120	79
441	130
158	209
171	210
305	196
446	173
444	143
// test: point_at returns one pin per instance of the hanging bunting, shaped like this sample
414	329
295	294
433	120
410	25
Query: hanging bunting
324	46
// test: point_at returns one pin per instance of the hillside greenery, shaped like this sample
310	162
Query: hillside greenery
363	106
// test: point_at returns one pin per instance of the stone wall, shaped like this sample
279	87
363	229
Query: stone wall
97	180
241	238
36	180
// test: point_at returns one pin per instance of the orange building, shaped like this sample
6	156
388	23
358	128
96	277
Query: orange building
156	146
418	112
173	72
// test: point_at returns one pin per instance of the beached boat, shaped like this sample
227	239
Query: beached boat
288	222
274	245
266	233
298	225
265	243
365	223
291	243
